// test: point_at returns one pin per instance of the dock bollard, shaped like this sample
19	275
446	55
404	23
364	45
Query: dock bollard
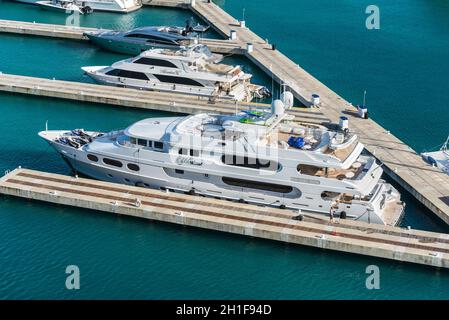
249	47
243	24
192	3
233	35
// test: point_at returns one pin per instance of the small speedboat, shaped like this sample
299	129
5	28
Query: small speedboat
66	6
440	158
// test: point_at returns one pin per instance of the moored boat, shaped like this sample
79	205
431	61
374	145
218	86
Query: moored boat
261	157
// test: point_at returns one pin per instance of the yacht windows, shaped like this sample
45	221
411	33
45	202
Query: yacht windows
150	144
251	163
133	167
133	140
142	142
92	157
127	74
257	185
158	145
178	80
155	62
178	171
112	162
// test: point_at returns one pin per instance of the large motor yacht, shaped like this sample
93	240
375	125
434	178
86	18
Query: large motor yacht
192	70
122	6
263	157
141	39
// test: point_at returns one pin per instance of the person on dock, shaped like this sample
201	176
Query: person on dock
138	203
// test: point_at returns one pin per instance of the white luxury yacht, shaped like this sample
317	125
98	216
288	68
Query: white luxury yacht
192	70
262	157
123	6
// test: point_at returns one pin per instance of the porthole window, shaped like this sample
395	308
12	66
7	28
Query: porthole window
133	167
112	162
92	157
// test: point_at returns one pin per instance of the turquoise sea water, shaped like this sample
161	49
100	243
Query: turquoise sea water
403	67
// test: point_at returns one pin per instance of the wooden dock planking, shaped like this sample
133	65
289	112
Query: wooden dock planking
394	243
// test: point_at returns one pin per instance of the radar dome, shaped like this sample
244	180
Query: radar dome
288	99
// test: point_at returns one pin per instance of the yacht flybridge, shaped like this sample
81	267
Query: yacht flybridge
260	156
194	70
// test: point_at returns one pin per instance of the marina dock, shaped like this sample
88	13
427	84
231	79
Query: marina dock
420	247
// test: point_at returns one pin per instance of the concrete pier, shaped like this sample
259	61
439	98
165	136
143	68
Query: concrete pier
393	243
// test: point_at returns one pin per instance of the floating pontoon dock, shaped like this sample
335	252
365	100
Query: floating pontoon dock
429	185
314	230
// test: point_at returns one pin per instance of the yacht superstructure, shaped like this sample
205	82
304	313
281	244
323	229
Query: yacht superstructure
122	6
260	157
193	70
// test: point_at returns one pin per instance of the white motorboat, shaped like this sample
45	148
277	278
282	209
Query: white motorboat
122	6
439	158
